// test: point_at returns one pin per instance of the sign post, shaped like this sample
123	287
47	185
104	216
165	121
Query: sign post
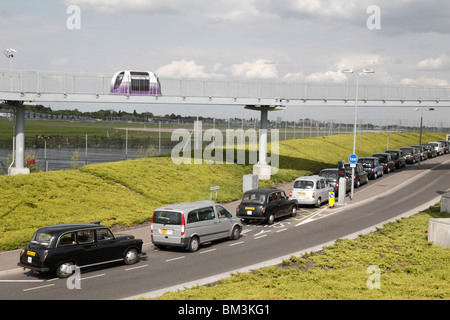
212	189
353	158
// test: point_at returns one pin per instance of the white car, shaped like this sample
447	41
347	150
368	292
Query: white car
438	146
311	190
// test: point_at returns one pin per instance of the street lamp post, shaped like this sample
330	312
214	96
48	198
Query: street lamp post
421	121
9	53
358	72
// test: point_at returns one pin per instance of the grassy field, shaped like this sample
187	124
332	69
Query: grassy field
410	268
127	192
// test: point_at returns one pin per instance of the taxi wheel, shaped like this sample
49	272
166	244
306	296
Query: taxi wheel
64	270
294	211
236	233
319	202
131	256
271	219
194	244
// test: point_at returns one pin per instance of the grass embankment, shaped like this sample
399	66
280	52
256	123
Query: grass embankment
410	267
127	192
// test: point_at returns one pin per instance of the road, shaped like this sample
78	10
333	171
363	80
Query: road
381	200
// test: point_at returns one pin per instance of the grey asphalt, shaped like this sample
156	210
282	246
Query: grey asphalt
9	259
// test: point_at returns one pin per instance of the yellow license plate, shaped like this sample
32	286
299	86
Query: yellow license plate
249	208
31	253
301	194
163	231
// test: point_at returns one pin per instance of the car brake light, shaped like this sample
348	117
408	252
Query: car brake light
290	194
183	225
313	195
44	257
151	226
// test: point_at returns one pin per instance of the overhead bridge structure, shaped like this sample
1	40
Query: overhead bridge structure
18	87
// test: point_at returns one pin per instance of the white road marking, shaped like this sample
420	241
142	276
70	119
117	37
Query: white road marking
210	250
173	259
40	287
138	267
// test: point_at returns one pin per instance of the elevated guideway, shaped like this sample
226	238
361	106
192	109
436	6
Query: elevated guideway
40	86
17	87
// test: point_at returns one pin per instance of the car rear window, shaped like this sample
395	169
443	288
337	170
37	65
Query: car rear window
42	238
167	217
257	198
329	174
304	184
366	162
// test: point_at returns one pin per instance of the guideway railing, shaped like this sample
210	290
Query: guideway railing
39	83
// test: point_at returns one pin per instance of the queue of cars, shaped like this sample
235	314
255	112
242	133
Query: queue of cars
60	248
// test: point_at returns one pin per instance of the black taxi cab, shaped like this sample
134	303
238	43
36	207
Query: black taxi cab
265	204
58	248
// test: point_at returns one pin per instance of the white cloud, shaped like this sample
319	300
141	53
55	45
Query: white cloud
260	68
182	68
296	76
327	76
441	62
359	61
131	6
305	8
423	80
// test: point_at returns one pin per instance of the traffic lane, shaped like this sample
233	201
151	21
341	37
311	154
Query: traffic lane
209	260
160	269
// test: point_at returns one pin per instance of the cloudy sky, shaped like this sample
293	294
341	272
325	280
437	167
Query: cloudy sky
408	42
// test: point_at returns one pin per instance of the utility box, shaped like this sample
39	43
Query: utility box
445	202
439	232
249	182
342	190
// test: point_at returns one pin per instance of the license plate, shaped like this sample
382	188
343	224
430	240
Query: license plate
301	194
31	253
249	208
249	213
29	259
165	231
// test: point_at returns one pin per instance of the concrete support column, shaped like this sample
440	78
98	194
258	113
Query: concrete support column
263	138
20	144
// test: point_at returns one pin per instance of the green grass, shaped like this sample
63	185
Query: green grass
127	192
410	268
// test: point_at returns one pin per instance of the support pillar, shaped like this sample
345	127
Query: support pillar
19	157
263	137
262	169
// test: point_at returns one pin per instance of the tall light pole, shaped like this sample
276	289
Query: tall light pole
9	53
421	121
358	72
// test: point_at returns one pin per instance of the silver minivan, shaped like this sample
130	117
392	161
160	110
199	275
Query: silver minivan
190	224
311	190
